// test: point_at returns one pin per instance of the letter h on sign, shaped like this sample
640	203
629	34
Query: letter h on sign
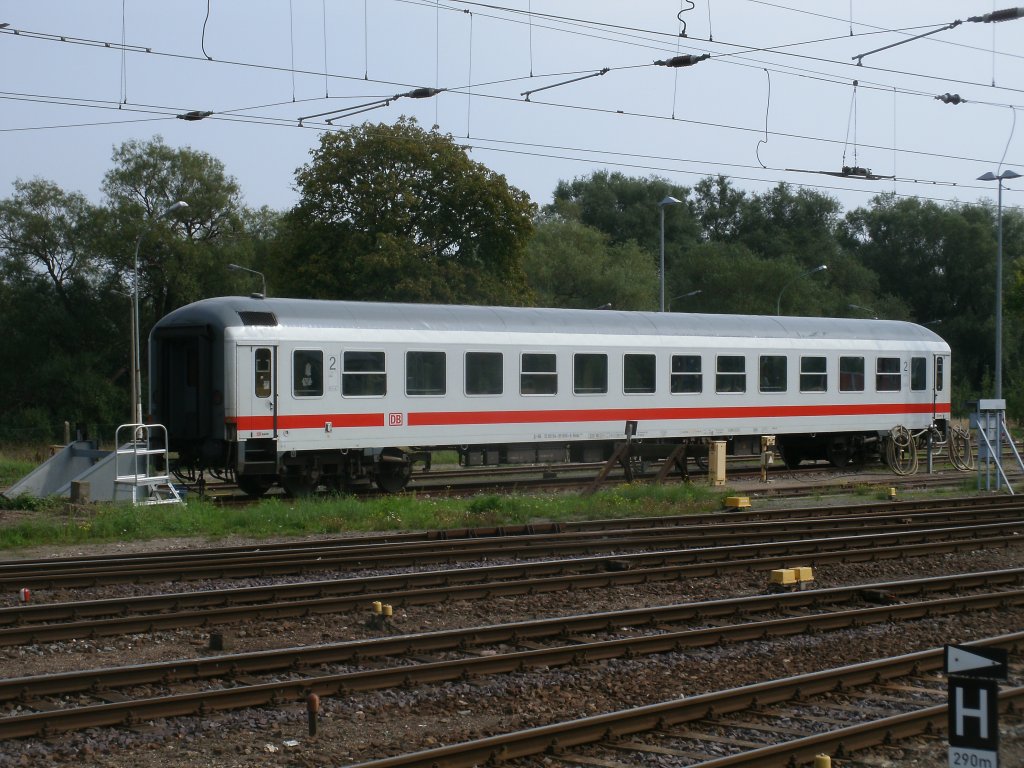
973	712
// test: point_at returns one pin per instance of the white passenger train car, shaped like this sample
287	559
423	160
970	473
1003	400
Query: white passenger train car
310	393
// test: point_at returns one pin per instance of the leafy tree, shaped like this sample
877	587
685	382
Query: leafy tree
718	207
783	224
180	257
940	261
396	213
66	277
626	209
569	264
46	231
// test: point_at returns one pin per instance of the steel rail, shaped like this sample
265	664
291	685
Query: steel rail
464	584
358	651
133	711
418	553
724	520
561	736
847	740
290	565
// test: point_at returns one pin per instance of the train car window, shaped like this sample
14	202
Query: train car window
731	374
919	374
424	373
851	374
363	374
639	374
686	374
887	374
773	373
939	381
813	374
589	374
483	373
537	374
263	373
308	373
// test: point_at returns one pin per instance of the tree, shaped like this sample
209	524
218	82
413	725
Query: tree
44	230
569	264
718	207
626	209
940	261
396	213
179	258
781	224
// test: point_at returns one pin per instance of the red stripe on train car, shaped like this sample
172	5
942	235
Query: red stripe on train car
311	421
449	418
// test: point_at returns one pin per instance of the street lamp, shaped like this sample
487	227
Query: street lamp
661	263
683	296
240	268
136	386
778	303
989	176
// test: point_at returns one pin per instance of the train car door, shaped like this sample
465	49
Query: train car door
939	384
257	390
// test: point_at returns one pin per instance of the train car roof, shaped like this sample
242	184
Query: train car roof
232	311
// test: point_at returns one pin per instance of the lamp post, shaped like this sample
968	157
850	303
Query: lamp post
989	176
778	303
136	385
669	200
683	296
240	268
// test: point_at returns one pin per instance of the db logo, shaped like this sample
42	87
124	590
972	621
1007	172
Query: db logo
394	419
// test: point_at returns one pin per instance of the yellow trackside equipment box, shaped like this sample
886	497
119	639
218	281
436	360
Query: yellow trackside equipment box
804	573
784	576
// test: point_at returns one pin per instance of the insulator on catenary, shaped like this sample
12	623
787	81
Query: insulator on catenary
686	60
1006	14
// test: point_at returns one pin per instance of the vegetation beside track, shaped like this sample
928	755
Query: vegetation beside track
14	467
53	521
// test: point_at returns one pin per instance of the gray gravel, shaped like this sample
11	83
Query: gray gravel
366	726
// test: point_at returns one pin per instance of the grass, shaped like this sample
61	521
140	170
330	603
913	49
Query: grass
51	521
14	467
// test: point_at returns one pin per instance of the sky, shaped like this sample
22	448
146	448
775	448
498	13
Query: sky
537	90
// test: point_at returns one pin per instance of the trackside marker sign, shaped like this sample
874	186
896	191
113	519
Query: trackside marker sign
990	663
973	691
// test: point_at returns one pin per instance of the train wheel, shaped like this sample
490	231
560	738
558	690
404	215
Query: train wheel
393	471
298	484
791	457
254	485
838	451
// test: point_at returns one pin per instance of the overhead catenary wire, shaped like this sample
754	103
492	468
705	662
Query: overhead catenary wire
350	110
480	145
469	86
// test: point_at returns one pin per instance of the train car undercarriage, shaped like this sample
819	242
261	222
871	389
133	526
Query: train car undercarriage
260	465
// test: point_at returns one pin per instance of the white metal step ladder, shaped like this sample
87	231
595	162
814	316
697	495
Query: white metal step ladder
137	465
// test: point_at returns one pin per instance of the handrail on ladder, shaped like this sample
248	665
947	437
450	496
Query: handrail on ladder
135	447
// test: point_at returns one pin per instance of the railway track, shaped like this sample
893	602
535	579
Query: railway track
505	543
429	673
47	704
50	622
777	724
